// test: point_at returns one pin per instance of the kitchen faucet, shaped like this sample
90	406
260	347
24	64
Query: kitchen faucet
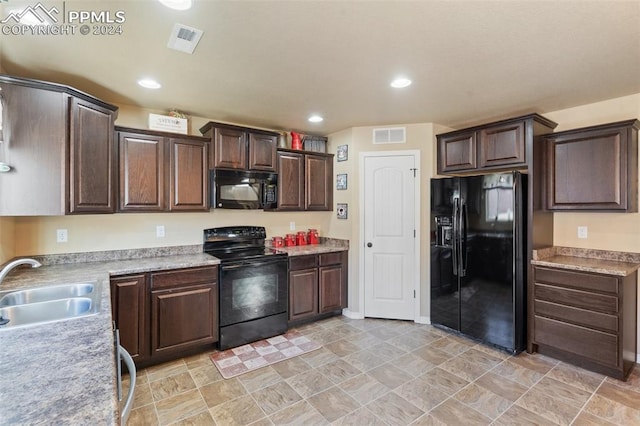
9	266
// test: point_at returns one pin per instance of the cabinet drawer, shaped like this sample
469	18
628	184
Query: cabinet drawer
577	298
303	262
577	316
577	280
596	345
181	277
330	258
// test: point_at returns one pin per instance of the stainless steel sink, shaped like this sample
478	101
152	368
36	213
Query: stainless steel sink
43	294
47	304
53	310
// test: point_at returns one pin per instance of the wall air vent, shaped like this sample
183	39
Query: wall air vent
183	38
389	135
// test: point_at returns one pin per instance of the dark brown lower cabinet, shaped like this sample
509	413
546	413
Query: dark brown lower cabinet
586	319
163	315
317	286
128	309
303	294
332	282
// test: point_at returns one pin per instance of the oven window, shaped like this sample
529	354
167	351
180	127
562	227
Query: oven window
242	192
254	291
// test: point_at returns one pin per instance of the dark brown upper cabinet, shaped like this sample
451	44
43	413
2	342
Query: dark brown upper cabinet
290	180
457	152
501	145
318	172
593	168
142	177
241	148
189	174
305	181
162	171
57	141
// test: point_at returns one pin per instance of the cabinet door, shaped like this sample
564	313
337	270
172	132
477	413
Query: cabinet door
35	185
303	294
91	183
592	170
128	309
142	178
457	152
290	181
230	149
189	176
318	182
331	285
502	145
183	317
262	152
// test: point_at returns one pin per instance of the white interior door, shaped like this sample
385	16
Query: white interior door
389	236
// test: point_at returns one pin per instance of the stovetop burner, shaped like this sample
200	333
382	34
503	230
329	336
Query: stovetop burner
224	255
238	243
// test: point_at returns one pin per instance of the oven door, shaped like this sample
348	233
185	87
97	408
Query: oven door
252	289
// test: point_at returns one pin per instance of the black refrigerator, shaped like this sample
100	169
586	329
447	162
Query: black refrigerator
478	261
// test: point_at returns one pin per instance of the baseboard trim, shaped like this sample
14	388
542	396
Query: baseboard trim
351	314
423	320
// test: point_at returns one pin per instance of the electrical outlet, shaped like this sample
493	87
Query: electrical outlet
61	235
292	226
160	231
582	232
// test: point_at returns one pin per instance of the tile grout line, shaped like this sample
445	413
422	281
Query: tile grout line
589	400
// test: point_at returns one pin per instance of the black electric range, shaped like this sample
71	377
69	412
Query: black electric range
253	284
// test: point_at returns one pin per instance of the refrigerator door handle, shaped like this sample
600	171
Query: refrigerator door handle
454	243
463	239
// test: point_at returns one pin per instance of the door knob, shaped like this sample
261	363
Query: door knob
369	245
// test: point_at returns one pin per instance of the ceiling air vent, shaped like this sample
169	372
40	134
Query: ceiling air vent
389	135
183	38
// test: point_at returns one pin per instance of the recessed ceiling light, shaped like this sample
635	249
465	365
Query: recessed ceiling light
399	83
147	83
315	118
177	4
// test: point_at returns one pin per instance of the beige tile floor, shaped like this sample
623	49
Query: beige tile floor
381	372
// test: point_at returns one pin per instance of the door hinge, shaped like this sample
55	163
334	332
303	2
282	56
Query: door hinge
414	294
414	233
414	172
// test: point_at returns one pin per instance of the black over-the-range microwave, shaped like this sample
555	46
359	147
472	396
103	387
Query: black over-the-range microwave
241	189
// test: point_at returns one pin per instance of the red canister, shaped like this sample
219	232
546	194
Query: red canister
277	242
312	236
289	240
301	238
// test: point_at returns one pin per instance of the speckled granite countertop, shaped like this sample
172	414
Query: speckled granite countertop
64	372
588	260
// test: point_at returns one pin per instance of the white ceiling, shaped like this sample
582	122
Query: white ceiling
273	63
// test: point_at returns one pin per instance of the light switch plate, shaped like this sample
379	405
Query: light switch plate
582	232
160	231
292	226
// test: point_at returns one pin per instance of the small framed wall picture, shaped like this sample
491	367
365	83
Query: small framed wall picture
341	182
342	211
343	152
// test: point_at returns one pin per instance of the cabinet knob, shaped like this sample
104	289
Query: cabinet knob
369	245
